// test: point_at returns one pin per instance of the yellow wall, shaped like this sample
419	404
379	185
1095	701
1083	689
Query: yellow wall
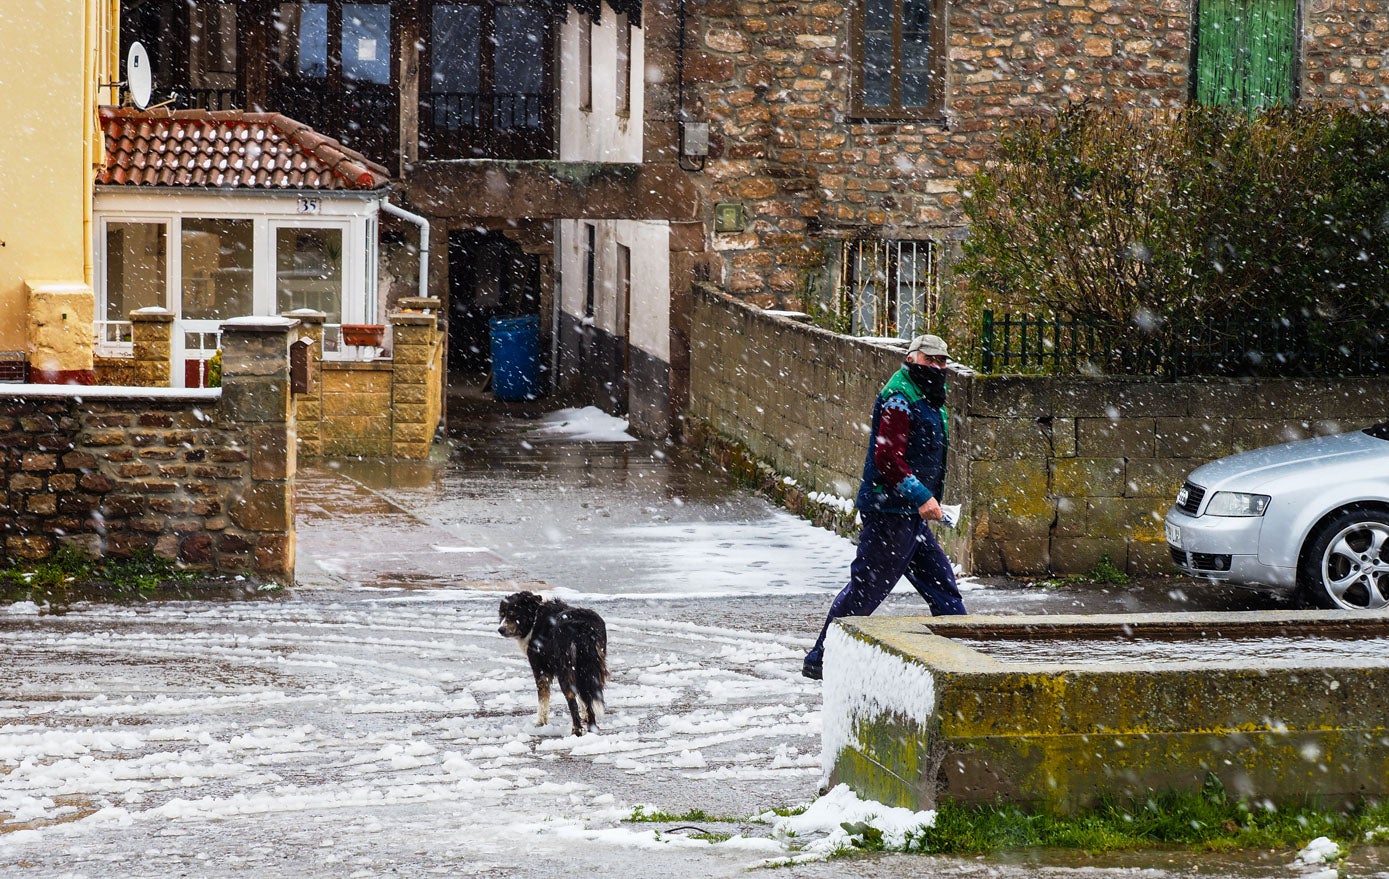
52	56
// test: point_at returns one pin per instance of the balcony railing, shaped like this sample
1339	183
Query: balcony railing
457	111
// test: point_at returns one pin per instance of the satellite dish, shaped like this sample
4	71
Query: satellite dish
137	75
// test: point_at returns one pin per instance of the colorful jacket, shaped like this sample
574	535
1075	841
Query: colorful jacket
905	464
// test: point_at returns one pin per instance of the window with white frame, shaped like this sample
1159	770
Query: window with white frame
232	266
889	288
136	277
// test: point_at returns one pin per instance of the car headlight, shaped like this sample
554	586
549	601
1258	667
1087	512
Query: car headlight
1237	503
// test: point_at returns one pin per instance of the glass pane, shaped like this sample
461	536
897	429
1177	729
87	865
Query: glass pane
916	52
913	283
453	48
366	42
212	55
877	53
216	263
518	72
308	271
877	70
303	29
135	268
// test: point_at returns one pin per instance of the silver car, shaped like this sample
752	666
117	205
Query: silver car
1311	516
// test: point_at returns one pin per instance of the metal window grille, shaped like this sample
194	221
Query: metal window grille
890	288
14	367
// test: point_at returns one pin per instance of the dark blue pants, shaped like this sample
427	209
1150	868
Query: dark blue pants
890	546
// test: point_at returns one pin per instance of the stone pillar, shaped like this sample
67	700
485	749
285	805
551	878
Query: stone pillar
416	377
62	341
152	329
256	398
308	408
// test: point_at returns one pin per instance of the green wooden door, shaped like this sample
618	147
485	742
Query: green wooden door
1245	51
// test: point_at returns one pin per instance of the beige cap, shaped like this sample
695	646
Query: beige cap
933	346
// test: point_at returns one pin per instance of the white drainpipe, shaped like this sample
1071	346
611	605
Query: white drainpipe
424	241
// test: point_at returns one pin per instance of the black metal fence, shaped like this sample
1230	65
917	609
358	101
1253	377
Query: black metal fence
1051	344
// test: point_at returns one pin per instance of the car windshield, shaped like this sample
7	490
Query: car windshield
1379	431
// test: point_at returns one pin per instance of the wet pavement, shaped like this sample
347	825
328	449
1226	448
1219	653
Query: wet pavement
372	722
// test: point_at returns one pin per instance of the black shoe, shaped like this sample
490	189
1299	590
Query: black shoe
812	670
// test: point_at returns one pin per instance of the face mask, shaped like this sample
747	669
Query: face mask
930	381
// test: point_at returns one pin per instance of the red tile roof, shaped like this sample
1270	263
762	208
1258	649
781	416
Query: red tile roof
228	149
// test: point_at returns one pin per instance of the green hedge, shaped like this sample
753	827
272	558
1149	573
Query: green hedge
1196	223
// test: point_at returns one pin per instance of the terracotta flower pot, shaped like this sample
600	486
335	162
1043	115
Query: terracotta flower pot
369	335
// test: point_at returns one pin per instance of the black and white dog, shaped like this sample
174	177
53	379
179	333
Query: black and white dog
562	642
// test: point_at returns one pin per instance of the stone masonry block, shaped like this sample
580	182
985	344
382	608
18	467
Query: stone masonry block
411	353
412	433
1201	438
264	354
409	413
1017	557
1011	397
409	393
1070	517
1088	477
272	453
1121	438
263	506
256	399
1155	477
372	405
1080	555
1013	494
1124	516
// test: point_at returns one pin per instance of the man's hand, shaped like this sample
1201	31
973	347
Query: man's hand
931	511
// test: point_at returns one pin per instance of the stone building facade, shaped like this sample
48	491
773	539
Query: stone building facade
777	80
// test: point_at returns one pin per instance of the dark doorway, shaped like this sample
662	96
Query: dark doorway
489	276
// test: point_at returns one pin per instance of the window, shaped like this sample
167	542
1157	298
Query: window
624	288
212	59
624	65
217	262
136	273
585	62
590	268
489	83
898	58
308	271
889	288
1245	53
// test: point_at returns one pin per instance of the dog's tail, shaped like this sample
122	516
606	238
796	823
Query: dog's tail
591	674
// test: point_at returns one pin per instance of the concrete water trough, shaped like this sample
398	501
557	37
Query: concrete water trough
1055	712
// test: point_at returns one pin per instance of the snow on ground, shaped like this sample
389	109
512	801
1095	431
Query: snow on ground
316	738
589	424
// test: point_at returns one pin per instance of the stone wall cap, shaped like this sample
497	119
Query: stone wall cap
153	314
412	318
309	315
259	324
108	392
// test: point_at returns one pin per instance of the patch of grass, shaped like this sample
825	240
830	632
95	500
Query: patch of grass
70	574
1105	572
641	816
1205	819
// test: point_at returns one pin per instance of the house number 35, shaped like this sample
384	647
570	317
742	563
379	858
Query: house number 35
309	205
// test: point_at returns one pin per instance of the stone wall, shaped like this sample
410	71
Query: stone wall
773	79
205	477
1054	473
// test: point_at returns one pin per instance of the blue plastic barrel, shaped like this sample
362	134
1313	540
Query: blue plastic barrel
515	357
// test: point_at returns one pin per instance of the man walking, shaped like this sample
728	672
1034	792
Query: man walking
903	477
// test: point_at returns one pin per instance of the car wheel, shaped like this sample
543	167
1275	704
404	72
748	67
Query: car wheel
1346	562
